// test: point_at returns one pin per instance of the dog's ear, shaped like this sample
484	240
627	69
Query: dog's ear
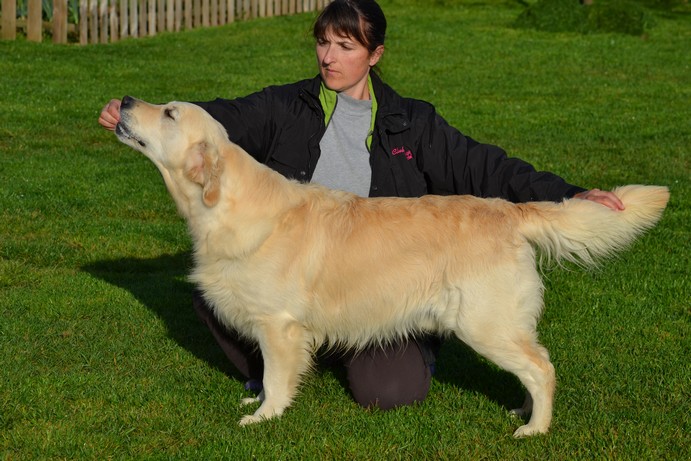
204	166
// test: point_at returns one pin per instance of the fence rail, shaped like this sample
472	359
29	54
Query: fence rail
104	21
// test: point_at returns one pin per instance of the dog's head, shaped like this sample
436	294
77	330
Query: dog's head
181	139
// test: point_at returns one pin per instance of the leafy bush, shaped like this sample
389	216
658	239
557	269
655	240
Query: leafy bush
553	16
618	16
625	17
664	4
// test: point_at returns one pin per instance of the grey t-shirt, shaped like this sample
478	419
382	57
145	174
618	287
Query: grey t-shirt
344	161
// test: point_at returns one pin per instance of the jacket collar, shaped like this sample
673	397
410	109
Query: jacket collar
391	114
310	92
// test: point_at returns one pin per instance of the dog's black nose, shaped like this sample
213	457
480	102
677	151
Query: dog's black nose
127	101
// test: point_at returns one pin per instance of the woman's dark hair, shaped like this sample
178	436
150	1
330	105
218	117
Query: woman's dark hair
362	20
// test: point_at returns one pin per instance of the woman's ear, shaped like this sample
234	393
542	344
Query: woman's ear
375	56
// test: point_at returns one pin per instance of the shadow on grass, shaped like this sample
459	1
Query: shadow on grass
459	365
160	285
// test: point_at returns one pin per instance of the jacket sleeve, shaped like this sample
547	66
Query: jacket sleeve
247	120
454	163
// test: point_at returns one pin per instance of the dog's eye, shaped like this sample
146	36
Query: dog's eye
170	113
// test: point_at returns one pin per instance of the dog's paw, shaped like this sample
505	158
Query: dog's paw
250	419
520	413
249	401
528	430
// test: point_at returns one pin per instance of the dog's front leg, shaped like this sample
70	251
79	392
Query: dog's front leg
285	349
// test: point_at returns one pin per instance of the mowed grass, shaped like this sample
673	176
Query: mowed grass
102	357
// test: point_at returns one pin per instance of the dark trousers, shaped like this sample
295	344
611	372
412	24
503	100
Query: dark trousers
382	376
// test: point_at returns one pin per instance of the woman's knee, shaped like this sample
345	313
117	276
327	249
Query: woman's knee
391	376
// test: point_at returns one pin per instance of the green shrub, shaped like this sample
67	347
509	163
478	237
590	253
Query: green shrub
664	4
618	16
553	16
614	16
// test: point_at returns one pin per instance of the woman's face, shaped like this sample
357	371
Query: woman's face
344	64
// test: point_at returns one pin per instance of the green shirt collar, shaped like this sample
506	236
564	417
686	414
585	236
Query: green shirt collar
328	97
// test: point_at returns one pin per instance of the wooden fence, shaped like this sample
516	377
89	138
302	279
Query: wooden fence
103	21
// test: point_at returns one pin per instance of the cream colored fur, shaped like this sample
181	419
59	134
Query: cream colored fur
294	266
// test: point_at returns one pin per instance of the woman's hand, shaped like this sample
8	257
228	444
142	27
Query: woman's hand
602	197
110	115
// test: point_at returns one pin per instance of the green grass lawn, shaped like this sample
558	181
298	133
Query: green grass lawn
101	355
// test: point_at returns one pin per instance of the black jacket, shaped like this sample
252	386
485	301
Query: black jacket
413	152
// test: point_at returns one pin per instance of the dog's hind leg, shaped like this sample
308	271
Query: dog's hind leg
537	375
529	361
285	349
500	325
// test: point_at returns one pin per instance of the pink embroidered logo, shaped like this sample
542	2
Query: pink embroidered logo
402	150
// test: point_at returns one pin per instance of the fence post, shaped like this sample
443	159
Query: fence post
59	21
213	13
178	15
124	19
222	13
133	12
143	18
170	15
83	22
188	24
103	21
9	19
151	15
160	15
113	21
205	14
34	21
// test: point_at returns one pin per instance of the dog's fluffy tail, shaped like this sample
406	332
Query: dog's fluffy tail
583	232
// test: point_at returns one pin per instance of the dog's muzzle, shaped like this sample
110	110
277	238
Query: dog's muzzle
125	134
122	130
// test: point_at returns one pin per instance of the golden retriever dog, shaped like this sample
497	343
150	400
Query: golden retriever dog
294	266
